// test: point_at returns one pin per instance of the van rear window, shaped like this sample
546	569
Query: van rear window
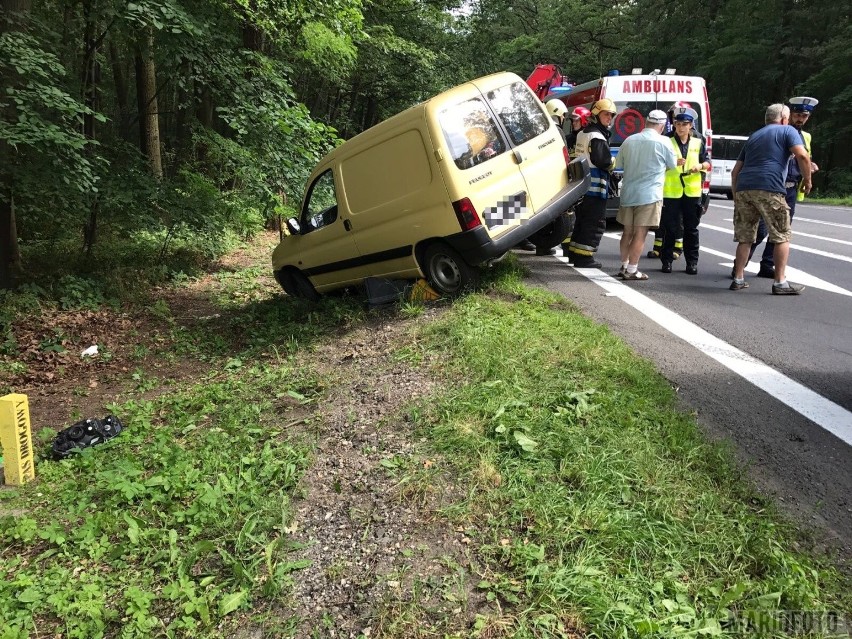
471	133
730	149
519	111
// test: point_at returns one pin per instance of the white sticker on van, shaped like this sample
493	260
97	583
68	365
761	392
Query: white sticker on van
512	208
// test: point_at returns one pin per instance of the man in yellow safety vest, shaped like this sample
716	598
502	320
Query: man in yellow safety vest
682	191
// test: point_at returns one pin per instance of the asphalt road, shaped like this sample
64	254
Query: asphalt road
770	374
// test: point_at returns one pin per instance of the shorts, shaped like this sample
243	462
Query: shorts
750	206
642	215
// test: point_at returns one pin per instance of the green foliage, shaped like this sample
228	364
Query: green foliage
187	511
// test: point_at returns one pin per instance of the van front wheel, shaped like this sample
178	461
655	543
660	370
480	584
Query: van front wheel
447	272
296	284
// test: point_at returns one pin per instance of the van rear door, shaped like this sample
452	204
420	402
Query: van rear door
481	166
537	145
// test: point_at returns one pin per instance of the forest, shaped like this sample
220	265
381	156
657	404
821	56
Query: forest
141	139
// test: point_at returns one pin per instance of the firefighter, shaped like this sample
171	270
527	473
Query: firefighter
579	120
800	111
589	227
682	191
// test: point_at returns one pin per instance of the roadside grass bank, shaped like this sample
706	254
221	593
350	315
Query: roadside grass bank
831	201
598	507
557	490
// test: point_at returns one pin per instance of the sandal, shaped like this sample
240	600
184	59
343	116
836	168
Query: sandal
621	273
638	275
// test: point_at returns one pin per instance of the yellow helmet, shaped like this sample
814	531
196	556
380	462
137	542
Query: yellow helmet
604	104
557	108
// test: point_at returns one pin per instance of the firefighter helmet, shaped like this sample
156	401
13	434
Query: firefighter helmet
605	105
556	108
582	114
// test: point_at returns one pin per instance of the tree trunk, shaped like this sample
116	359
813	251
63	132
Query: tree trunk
15	14
120	81
91	73
146	86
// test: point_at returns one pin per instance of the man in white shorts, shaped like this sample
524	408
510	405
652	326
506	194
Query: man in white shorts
644	158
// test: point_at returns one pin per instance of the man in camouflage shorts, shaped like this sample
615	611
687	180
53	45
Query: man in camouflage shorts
757	181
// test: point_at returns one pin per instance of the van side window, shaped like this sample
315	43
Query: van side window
519	112
321	204
733	149
471	133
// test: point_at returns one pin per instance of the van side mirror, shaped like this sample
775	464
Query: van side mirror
293	226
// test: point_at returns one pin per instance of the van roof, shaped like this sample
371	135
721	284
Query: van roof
482	84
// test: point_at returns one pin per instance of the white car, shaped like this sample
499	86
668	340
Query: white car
726	150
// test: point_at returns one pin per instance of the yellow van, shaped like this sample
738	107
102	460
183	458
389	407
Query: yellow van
433	192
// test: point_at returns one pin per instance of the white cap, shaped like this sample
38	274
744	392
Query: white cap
657	117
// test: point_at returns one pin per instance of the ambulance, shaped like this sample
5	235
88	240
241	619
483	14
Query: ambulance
635	95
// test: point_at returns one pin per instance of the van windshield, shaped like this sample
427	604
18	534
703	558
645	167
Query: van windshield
631	118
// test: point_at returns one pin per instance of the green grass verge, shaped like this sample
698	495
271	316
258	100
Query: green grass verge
598	504
833	201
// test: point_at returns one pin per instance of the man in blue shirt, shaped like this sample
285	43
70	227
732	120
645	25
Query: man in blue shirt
758	182
644	158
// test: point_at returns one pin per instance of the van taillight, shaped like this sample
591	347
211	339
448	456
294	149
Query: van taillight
565	153
466	214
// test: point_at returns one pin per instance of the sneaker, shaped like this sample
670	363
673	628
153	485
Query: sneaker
738	286
526	245
790	289
667	267
586	262
691	268
767	272
545	251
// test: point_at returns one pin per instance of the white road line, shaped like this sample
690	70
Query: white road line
793	274
823	412
798	247
795	219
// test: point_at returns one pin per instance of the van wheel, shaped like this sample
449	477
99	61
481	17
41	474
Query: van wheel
447	272
553	234
296	284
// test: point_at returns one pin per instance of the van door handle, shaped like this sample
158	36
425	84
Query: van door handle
347	225
519	157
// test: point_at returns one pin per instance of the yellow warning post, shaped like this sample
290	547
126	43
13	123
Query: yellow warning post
16	439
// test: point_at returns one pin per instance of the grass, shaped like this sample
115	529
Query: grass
832	201
592	496
593	507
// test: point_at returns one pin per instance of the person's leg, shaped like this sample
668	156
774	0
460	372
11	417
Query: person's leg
669	226
584	242
624	243
580	222
741	260
761	235
637	244
691	219
782	254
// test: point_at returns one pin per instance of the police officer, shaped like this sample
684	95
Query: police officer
658	232
800	111
589	227
682	191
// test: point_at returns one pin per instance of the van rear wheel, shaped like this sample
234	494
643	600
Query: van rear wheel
447	272
553	234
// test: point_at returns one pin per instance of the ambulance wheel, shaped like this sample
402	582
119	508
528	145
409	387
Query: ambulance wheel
296	284
446	271
553	234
